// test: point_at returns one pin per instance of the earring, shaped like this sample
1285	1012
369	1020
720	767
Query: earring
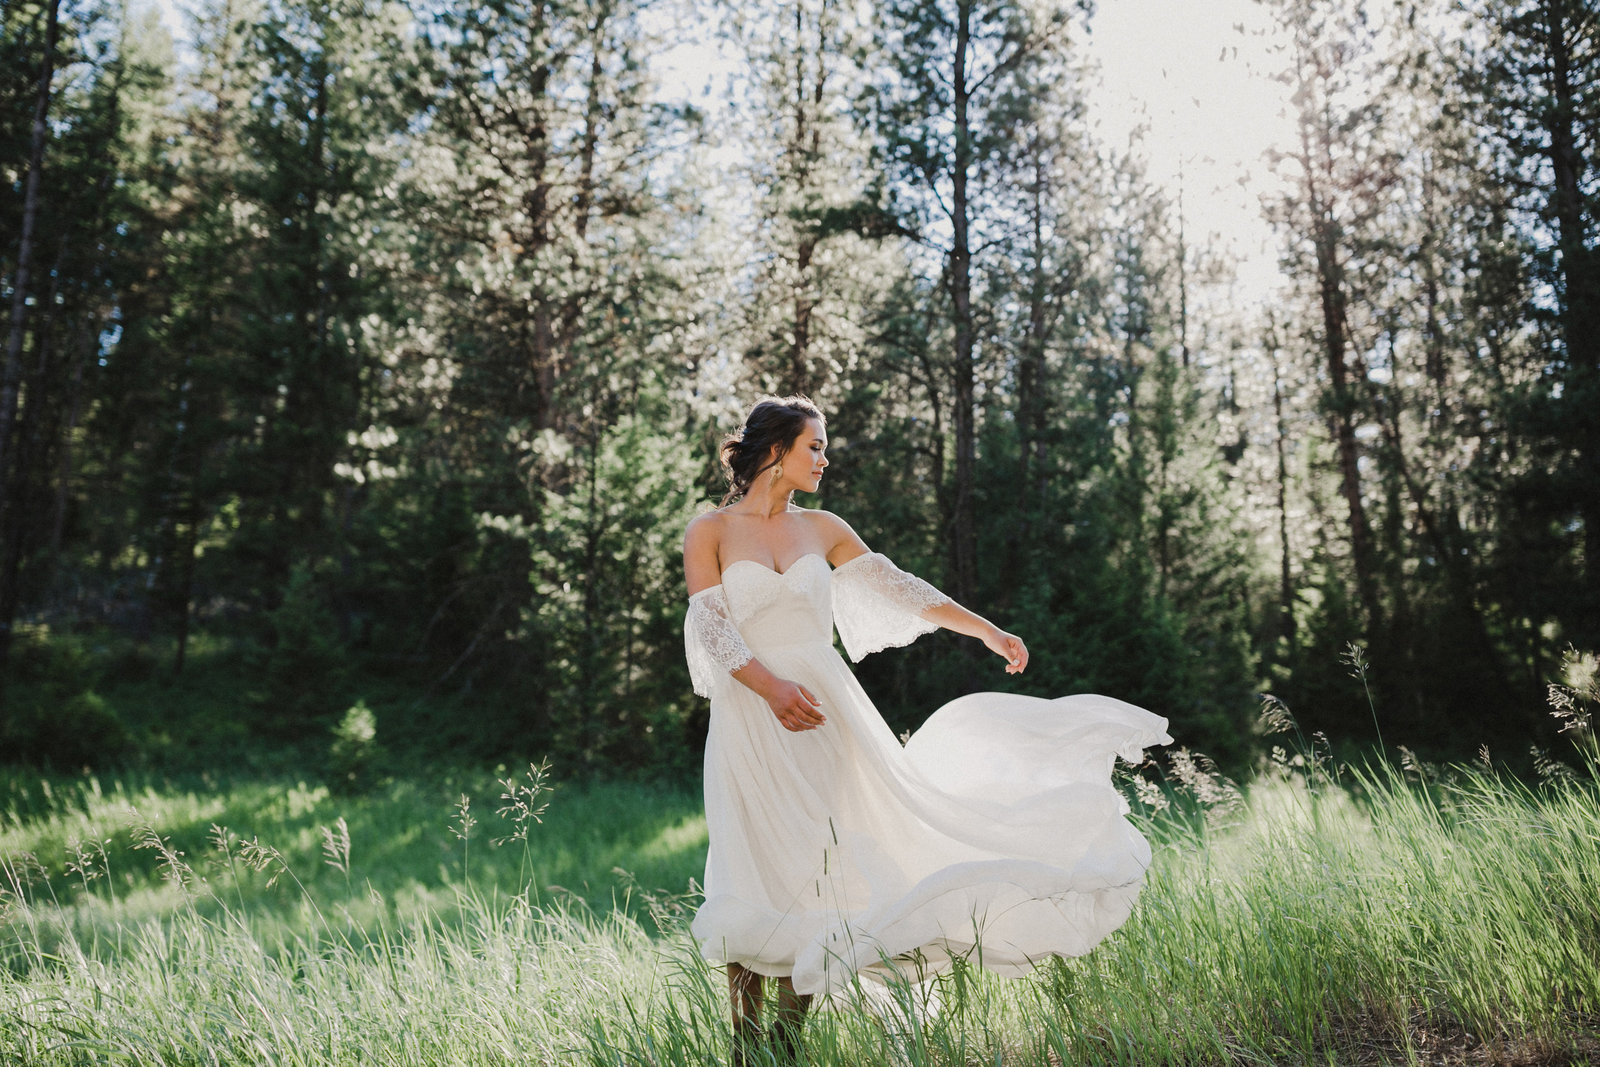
777	471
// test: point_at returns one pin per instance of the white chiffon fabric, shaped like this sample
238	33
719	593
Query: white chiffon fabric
994	834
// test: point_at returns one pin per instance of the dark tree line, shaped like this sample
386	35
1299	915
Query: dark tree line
357	344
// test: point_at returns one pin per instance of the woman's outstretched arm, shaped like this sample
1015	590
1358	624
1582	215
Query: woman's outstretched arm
1007	646
845	545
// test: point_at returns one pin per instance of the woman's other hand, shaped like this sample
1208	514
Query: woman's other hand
1008	647
796	707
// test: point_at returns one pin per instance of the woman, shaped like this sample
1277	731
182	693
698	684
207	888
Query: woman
836	854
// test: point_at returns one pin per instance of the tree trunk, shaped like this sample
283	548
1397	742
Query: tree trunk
1325	234
1286	621
1031	367
83	343
309	425
803	150
1183	277
188	542
963	524
536	206
11	376
593	115
1581	304
1342	420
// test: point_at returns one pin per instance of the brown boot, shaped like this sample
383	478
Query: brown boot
787	1048
747	1044
745	994
787	1026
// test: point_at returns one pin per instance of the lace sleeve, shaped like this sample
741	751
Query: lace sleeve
711	641
876	605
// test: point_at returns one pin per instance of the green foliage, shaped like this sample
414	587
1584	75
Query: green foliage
608	608
383	350
58	719
302	667
355	756
60	727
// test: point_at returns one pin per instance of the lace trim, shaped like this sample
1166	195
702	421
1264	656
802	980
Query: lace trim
876	605
711	642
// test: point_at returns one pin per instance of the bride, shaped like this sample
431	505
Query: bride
837	856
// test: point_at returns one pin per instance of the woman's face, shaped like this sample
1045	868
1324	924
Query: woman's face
807	457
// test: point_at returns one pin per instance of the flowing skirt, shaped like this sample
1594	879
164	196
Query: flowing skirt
994	834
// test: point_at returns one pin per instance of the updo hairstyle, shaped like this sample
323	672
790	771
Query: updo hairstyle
773	421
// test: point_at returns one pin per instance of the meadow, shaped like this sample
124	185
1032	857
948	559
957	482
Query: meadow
1322	913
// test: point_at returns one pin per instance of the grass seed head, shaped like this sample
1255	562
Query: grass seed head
259	857
1572	699
87	862
1197	774
463	823
336	846
522	801
1150	794
174	869
1354	657
1274	717
1548	767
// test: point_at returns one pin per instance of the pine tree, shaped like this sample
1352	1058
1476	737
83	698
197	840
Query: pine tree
945	112
820	261
1339	168
1534	88
24	292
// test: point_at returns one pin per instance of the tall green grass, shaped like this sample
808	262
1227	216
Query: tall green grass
1389	913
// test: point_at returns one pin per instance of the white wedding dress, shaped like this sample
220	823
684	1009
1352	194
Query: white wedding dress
994	834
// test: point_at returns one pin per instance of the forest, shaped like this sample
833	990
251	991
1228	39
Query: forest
365	360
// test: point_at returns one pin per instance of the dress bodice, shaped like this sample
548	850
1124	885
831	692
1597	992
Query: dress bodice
773	610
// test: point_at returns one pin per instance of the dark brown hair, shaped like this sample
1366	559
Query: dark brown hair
775	420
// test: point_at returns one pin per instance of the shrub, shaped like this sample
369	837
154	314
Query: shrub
56	716
306	666
355	754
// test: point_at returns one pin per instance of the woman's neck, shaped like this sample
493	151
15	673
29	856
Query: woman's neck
765	504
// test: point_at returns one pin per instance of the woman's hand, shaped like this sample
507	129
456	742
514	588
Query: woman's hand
1008	647
795	706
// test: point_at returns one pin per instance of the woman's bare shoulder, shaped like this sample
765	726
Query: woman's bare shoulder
703	530
702	545
841	538
826	519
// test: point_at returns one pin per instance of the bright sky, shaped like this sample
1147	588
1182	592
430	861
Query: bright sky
1196	76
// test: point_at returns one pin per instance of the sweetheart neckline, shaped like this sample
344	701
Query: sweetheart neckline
757	563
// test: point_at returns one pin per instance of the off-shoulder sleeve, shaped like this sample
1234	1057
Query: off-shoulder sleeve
711	641
876	605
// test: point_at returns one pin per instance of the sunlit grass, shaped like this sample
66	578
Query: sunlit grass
1321	914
